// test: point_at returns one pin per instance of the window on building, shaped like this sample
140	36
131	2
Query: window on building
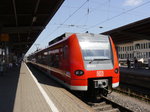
146	54
141	46
137	46
129	48
144	45
118	48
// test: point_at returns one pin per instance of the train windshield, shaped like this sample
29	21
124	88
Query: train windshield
96	50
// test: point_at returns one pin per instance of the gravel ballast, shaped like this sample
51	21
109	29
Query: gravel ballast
131	103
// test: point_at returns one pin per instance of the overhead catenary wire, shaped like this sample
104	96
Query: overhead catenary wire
69	17
83	27
124	12
89	11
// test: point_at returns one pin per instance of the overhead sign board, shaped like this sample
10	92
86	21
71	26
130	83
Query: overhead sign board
4	37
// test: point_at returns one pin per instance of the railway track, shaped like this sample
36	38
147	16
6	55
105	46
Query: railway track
101	104
106	105
134	91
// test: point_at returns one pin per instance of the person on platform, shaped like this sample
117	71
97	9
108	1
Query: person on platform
1	68
10	65
135	62
128	63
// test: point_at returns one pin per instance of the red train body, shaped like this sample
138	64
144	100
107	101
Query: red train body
80	61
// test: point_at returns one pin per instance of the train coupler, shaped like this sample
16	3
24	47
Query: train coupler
101	83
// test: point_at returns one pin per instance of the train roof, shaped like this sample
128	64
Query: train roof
59	38
67	34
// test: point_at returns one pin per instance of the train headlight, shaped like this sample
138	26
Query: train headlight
79	72
116	70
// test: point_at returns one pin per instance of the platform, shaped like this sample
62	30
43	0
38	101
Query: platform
24	92
8	88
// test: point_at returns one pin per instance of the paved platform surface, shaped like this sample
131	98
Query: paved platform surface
28	96
19	92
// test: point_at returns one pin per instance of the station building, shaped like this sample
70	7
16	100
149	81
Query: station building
132	40
139	49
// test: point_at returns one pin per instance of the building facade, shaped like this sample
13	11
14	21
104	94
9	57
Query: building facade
139	49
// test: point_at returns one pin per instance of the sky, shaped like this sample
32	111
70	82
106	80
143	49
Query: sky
94	16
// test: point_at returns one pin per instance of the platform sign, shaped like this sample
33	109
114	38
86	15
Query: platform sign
4	37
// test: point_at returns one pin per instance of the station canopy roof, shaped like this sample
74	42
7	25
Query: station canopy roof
135	31
23	20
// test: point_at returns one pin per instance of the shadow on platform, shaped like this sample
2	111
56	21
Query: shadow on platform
43	78
8	89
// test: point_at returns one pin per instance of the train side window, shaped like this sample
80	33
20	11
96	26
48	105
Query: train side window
55	61
61	53
65	52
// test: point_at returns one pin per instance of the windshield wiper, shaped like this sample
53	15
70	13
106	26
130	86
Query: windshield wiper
98	60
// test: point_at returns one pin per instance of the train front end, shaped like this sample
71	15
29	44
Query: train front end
94	63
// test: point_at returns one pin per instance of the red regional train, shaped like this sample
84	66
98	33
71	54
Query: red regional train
81	61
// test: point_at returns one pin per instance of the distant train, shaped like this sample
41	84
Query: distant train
81	61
